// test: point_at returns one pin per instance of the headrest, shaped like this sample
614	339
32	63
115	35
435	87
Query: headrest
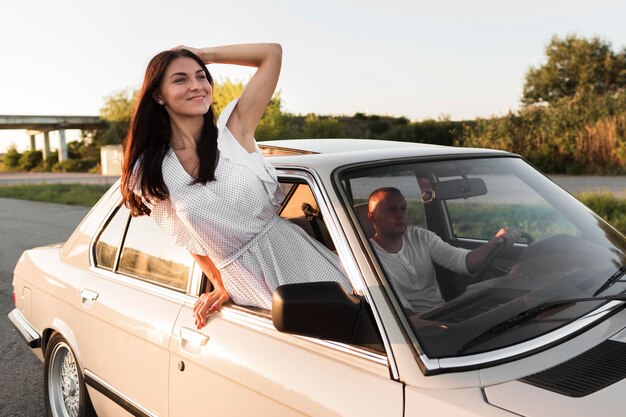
361	215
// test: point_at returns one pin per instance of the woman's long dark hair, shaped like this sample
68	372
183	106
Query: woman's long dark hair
149	136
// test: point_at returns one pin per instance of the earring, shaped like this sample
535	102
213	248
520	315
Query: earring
161	102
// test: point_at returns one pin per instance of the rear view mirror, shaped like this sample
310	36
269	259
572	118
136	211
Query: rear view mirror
324	310
460	188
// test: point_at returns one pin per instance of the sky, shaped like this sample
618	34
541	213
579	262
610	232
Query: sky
419	59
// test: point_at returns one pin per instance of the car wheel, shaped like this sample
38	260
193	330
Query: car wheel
64	385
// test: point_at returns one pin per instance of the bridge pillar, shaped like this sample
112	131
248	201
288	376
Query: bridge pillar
46	145
62	146
32	143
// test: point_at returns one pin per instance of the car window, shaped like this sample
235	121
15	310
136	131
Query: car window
109	240
151	254
480	217
301	208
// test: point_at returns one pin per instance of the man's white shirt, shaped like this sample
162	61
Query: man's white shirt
411	270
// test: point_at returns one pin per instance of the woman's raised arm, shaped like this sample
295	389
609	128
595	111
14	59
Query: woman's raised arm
267	57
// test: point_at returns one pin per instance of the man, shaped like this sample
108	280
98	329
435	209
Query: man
408	253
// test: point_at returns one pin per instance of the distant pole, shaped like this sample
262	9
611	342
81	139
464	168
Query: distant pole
46	145
62	146
32	143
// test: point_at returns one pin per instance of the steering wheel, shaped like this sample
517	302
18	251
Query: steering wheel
488	261
493	254
527	237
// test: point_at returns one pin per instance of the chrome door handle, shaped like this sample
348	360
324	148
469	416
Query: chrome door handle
88	295
193	337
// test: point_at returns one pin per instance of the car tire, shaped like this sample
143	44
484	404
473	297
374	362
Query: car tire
64	385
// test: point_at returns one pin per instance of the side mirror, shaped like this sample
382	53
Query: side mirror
324	310
460	188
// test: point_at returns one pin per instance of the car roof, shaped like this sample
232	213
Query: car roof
345	151
308	146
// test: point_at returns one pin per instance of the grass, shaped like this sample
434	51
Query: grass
607	206
72	194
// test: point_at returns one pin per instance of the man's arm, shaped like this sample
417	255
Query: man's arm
476	256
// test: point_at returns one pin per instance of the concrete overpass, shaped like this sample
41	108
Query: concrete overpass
45	124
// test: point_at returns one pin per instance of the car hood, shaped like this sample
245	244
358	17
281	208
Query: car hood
592	383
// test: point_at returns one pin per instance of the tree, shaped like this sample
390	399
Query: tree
119	106
575	66
275	124
224	92
322	127
117	110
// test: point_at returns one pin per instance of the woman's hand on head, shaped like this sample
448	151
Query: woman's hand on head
208	303
189	48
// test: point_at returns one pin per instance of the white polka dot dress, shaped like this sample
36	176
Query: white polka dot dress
234	221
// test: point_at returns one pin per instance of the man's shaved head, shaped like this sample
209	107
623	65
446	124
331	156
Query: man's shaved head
379	194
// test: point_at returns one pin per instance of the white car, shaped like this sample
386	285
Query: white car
540	330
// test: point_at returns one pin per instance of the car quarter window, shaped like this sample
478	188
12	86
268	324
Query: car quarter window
151	254
109	240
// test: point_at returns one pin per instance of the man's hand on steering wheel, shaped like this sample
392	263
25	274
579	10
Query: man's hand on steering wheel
506	235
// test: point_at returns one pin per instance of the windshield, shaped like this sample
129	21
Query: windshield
426	224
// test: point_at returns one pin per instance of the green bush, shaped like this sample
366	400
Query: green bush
48	164
322	127
75	165
581	134
30	160
12	158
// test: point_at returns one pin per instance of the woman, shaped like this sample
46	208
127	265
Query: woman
209	185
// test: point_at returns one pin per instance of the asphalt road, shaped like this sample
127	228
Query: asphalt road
23	225
591	183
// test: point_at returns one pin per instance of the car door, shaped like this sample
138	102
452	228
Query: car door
130	301
239	364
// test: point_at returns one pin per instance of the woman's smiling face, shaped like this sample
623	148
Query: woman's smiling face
185	89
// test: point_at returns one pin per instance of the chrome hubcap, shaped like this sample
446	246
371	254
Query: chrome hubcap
63	382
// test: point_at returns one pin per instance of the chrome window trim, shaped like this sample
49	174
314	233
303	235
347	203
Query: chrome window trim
255	321
345	253
261	321
96	235
521	348
118	252
164	292
90	375
100	229
195	280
